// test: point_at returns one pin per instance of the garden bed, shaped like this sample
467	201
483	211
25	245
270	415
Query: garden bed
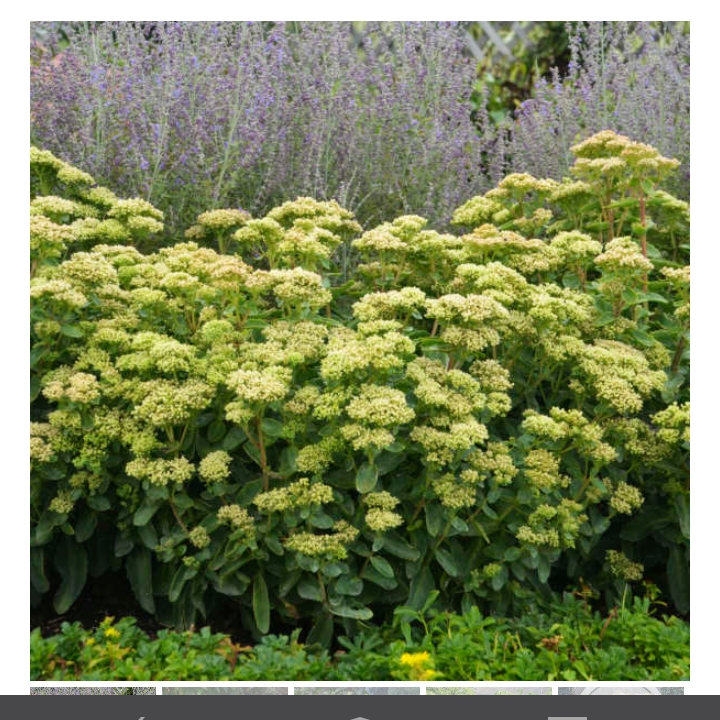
364	452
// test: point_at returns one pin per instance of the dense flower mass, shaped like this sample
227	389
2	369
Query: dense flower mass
467	416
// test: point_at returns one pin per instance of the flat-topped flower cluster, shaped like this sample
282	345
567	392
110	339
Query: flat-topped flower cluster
467	417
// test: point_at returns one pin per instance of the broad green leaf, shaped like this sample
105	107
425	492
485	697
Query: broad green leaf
248	492
498	581
678	570
288	458
100	553
183	501
71	563
447	562
321	520
518	570
420	588
309	589
288	582
85	526
347	585
458	524
234	437
181	576
34	387
382	566
139	571
271	427
356	613
434	519
399	547
321	632
366	478
682	506
148	536
388	461
333	570
53	472
216	431
123	545
98	502
72	331
232	586
642	526
37	570
543	569
145	512
261	604
372	575
253	453
643	338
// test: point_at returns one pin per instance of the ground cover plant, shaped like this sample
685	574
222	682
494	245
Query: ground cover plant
564	641
464	422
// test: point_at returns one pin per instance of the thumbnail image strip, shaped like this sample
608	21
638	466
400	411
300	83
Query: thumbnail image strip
70	690
631	690
224	690
479	690
357	690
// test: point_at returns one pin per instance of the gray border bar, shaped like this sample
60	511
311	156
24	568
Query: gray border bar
350	707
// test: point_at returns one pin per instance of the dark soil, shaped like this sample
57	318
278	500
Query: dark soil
108	596
102	597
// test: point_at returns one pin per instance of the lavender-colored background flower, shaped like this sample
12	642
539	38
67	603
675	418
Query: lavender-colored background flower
630	77
227	114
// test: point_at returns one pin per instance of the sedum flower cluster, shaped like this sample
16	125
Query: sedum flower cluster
82	214
468	414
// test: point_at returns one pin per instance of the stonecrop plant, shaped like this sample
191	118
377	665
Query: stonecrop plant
470	419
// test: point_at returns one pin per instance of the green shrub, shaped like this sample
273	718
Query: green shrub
561	642
465	420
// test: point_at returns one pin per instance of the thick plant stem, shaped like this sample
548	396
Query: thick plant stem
263	456
678	354
177	517
643	239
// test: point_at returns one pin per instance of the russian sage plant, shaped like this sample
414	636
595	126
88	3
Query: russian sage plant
194	116
629	77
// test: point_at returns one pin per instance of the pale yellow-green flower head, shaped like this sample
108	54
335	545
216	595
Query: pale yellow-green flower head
622	567
215	467
199	537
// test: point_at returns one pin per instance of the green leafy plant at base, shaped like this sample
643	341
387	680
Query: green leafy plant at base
467	421
563	641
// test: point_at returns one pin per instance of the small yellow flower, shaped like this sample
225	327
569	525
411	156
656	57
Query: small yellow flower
111	632
420	665
415	660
